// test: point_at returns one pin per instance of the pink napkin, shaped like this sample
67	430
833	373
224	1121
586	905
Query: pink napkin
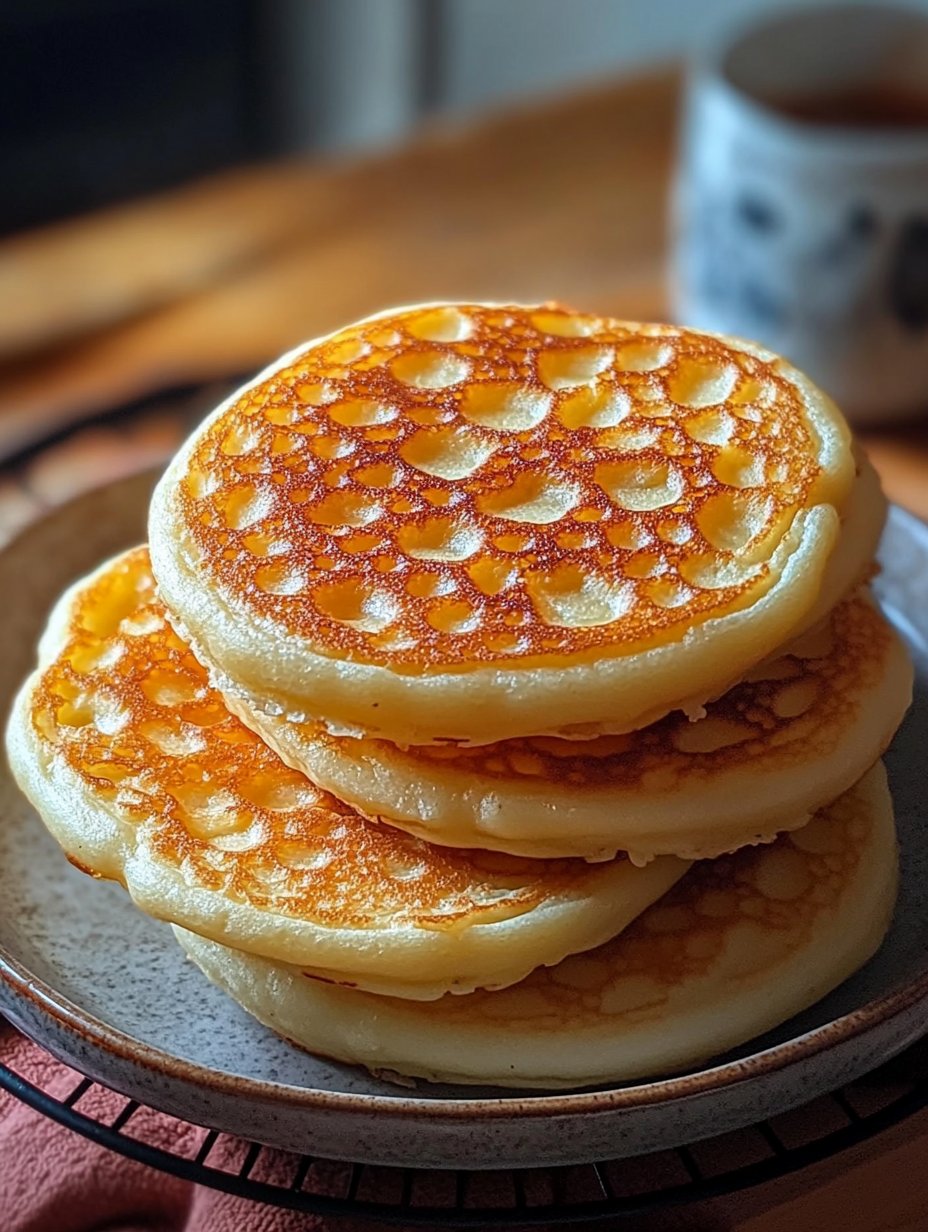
54	1180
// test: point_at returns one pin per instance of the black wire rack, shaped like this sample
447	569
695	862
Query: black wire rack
536	1197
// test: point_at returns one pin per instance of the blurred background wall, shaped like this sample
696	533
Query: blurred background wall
101	100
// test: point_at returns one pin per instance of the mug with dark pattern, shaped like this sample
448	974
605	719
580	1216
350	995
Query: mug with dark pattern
801	204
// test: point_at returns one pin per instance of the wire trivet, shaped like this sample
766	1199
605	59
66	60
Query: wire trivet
522	1197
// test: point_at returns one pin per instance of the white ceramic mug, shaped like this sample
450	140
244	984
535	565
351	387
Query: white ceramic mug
812	237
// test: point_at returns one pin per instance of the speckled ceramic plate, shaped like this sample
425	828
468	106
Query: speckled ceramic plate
108	990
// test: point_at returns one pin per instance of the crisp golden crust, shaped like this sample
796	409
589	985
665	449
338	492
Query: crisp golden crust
737	946
143	775
476	485
794	734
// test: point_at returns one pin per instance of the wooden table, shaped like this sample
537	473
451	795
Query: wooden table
563	200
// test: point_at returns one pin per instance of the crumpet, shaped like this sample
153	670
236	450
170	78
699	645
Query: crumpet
144	777
795	733
475	522
738	946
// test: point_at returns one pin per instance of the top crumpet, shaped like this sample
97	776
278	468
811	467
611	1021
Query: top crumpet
474	522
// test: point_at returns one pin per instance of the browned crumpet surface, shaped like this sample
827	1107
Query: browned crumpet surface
472	485
130	708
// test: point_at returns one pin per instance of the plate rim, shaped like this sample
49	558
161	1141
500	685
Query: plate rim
663	1091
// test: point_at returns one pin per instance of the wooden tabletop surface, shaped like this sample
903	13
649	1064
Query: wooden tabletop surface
564	200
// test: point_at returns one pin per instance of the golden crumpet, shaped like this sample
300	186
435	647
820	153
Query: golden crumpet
475	522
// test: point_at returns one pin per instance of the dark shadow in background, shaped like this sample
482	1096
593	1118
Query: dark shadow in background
101	100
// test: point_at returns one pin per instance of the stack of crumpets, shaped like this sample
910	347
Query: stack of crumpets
500	698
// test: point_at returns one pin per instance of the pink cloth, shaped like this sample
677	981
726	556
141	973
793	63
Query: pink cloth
55	1180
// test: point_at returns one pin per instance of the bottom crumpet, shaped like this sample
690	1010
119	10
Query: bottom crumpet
738	946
